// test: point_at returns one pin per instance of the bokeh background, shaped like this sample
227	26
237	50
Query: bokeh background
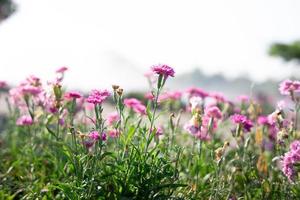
216	45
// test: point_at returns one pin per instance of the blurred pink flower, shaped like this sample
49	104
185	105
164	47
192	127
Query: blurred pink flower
61	69
30	89
24	120
175	95
149	96
196	92
242	120
262	120
243	98
288	86
136	105
218	96
113	133
3	84
94	135
213	112
112	118
72	95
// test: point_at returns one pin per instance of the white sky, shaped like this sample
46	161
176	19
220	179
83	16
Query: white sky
106	42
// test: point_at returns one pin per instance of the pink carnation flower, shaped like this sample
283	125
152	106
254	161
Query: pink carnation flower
213	112
24	120
97	96
72	95
94	135
30	89
61	69
164	70
243	120
288	86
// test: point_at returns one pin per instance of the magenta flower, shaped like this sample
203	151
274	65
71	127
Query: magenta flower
242	120
72	95
98	96
94	135
24	120
3	84
135	105
213	112
61	69
112	118
263	120
196	92
164	70
287	87
104	137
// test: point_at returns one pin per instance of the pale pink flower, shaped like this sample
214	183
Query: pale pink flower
136	105
114	133
196	92
243	98
30	89
174	96
218	96
24	120
112	118
287	87
213	112
149	96
61	69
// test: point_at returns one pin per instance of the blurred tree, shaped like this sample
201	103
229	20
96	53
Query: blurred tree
288	52
7	7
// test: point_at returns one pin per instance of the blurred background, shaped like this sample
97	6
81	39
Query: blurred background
231	46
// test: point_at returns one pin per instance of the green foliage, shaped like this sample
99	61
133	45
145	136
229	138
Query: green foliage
288	52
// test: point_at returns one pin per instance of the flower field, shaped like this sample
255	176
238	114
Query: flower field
190	144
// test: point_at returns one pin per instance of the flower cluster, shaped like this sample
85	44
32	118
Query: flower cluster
290	160
201	126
